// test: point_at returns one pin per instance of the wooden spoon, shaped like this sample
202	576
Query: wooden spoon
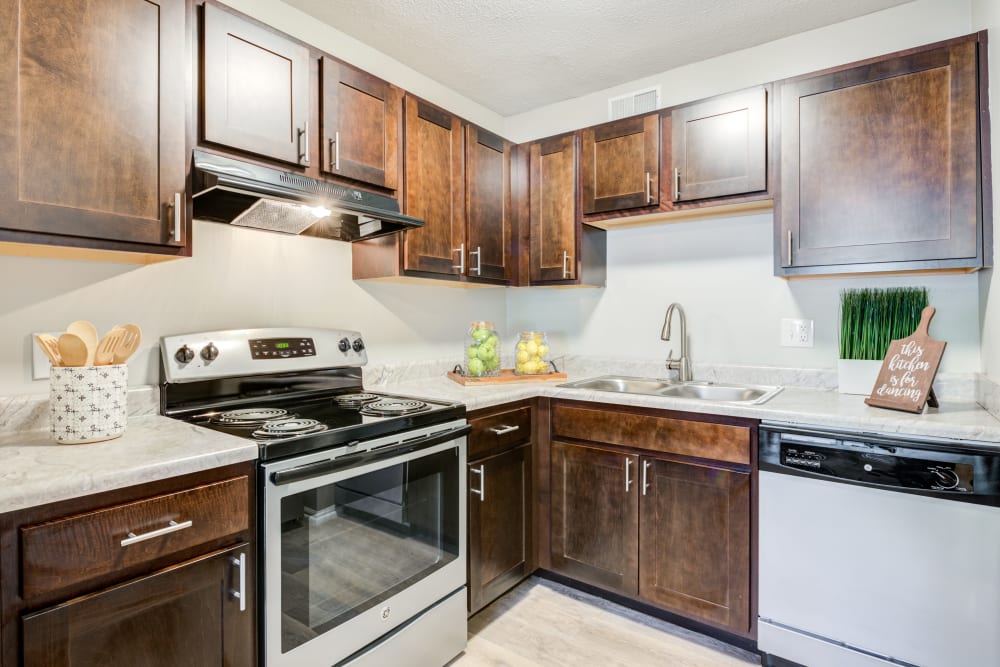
87	332
105	353
72	350
50	346
129	344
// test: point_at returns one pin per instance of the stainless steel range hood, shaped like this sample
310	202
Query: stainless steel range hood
250	195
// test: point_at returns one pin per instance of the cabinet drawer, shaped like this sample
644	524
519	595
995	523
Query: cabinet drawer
75	549
499	431
720	442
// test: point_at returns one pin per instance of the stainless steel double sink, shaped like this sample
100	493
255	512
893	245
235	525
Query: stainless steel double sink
715	392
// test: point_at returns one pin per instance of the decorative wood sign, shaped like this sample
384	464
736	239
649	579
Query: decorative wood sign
908	371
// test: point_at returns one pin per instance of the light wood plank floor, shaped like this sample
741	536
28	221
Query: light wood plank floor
544	624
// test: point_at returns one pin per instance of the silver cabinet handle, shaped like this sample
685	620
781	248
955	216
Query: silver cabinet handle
240	593
677	183
171	527
500	430
649	188
481	491
303	139
789	247
645	469
461	258
335	152
178	217
478	252
565	264
628	473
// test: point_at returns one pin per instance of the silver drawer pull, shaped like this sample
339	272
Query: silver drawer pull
501	430
240	593
481	491
171	527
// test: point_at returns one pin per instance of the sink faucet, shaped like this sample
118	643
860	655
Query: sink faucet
683	364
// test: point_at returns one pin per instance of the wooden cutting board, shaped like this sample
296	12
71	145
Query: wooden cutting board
907	375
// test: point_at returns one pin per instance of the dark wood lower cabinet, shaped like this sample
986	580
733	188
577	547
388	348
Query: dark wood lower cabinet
595	516
499	524
694	541
185	615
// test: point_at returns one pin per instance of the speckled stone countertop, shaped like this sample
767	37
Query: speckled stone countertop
958	420
37	470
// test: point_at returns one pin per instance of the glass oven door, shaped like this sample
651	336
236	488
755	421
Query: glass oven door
352	550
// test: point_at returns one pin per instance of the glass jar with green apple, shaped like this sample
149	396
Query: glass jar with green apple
482	350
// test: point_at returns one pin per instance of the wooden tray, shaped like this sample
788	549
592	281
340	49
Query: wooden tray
506	376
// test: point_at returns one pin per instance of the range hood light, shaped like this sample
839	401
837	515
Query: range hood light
317	211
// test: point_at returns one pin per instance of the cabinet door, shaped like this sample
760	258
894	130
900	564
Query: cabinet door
255	88
695	541
620	168
552	209
185	615
487	173
595	516
880	163
360	125
433	189
93	97
719	147
499	524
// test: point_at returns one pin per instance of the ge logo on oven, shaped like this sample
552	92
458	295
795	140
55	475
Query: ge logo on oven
385	613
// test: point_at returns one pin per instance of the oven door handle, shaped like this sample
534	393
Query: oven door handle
320	468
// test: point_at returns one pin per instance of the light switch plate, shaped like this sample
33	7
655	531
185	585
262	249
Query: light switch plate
796	333
39	362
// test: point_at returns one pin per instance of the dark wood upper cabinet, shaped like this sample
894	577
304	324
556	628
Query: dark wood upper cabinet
694	541
360	133
719	146
254	88
93	147
621	165
552	209
595	516
499	524
880	165
433	189
185	615
487	183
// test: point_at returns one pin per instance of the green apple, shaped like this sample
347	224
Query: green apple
472	352
480	334
476	367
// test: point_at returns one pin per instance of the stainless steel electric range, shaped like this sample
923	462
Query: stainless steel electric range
361	498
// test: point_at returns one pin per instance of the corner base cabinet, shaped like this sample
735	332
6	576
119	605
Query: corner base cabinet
656	506
159	574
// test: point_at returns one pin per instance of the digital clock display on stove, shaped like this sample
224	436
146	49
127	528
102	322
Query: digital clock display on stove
281	348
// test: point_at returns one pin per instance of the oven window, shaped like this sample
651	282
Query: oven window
348	546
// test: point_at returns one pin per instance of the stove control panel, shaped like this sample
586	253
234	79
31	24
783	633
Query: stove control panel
209	355
281	348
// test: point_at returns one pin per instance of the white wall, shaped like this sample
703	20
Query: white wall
986	15
237	278
721	270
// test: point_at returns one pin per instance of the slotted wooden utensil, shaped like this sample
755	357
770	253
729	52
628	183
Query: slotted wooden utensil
50	346
87	332
105	353
129	343
72	350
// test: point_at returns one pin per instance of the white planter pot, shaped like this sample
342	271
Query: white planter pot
857	376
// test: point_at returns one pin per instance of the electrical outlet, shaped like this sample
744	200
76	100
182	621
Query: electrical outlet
39	362
796	333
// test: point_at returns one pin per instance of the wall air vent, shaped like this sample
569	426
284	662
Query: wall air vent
636	102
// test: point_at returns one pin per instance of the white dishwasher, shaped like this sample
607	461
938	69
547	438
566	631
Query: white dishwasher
877	551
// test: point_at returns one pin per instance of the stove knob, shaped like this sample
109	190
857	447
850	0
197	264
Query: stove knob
210	352
358	345
344	345
947	479
184	354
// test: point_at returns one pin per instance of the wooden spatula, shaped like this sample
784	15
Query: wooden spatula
105	353
72	350
87	332
50	346
129	344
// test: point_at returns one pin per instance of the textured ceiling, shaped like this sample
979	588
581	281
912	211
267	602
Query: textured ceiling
516	55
